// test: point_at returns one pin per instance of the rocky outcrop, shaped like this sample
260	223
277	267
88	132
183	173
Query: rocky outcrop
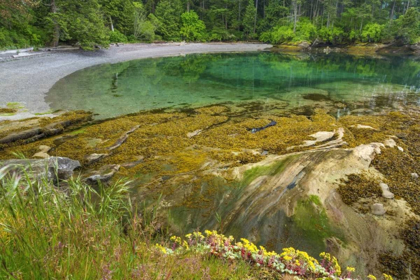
53	168
35	129
103	175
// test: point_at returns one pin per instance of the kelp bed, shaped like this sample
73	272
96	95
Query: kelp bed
163	150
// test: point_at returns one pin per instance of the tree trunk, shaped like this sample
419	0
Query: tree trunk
256	14
56	33
112	24
239	15
392	11
295	7
408	6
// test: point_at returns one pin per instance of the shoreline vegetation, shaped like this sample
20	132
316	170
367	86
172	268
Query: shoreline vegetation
74	230
97	23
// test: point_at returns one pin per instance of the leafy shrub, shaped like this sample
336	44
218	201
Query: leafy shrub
406	29
117	37
282	34
305	31
26	37
192	28
372	32
333	35
145	28
221	34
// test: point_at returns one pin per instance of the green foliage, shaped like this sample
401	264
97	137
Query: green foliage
83	24
168	12
305	31
119	14
145	28
249	20
117	37
192	28
30	36
372	32
87	23
406	29
333	35
221	34
281	34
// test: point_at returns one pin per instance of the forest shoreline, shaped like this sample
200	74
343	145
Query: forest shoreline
26	80
361	49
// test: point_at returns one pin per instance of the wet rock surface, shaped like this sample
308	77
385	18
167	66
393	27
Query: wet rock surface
271	186
52	168
378	209
103	175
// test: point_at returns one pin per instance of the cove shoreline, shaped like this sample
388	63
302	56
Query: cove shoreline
26	80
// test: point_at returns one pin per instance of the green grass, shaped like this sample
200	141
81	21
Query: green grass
76	232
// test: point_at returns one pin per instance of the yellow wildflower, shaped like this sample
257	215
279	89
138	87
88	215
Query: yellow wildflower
387	277
287	258
371	277
161	248
350	269
336	266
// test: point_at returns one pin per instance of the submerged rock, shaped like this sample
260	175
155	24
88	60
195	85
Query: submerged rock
94	158
194	133
378	209
43	153
103	175
52	168
385	191
390	143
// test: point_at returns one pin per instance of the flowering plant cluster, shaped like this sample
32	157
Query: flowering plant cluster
290	261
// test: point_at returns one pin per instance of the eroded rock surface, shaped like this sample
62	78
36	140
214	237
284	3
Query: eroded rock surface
52	168
271	186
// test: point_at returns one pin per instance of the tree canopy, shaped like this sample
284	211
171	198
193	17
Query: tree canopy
94	23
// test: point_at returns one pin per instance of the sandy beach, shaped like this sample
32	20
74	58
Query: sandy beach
26	80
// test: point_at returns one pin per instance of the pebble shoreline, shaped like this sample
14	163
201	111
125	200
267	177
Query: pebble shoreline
26	80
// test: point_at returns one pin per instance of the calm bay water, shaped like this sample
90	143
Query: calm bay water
197	80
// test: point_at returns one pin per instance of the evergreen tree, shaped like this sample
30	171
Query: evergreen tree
168	12
78	22
192	29
249	19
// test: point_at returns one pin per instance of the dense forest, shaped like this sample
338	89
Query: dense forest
93	23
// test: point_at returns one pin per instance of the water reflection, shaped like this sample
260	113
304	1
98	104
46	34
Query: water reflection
196	80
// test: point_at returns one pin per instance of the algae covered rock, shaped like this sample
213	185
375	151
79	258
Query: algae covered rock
103	175
378	209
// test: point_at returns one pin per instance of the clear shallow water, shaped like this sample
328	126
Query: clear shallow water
198	80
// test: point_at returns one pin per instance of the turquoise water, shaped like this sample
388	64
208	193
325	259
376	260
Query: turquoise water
265	78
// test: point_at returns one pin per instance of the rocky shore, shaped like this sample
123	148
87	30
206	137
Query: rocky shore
27	79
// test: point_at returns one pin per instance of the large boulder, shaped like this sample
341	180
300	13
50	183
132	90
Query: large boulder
53	168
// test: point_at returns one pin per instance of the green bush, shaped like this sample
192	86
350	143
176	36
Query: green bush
282	34
117	37
372	32
305	31
192	28
333	35
221	34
